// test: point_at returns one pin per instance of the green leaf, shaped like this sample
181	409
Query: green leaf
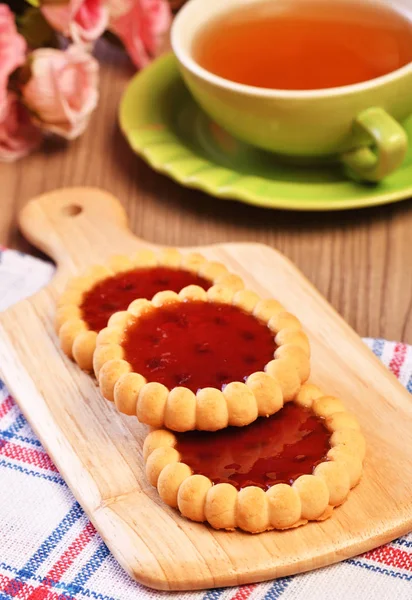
35	29
34	3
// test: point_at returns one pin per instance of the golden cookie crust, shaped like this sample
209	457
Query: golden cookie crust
309	498
210	409
77	340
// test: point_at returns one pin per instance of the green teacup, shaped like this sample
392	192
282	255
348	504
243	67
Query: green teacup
356	124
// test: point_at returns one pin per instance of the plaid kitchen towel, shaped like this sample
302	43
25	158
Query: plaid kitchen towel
50	551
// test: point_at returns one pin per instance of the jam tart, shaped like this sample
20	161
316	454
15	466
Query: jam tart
202	359
277	473
89	300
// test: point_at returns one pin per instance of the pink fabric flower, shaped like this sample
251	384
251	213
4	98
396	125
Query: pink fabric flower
118	8
63	90
82	20
12	52
18	135
141	25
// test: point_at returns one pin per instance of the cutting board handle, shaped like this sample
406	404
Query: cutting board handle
69	224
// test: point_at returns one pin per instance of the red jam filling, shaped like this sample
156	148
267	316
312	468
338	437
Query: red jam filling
117	292
271	450
198	344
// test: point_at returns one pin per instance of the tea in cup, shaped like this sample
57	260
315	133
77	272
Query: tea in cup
305	79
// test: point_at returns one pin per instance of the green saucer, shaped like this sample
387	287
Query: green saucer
165	126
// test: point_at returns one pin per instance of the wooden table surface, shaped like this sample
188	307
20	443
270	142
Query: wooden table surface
360	260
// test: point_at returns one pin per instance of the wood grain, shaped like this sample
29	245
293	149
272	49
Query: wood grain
361	261
98	451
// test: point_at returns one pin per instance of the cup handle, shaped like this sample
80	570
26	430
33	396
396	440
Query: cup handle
390	143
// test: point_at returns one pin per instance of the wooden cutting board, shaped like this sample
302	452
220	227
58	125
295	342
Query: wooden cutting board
99	452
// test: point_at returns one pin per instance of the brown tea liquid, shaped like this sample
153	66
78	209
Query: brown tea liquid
305	44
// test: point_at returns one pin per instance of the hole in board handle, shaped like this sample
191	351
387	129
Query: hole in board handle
72	210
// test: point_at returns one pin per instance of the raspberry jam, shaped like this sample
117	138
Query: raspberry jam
117	292
198	344
277	449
